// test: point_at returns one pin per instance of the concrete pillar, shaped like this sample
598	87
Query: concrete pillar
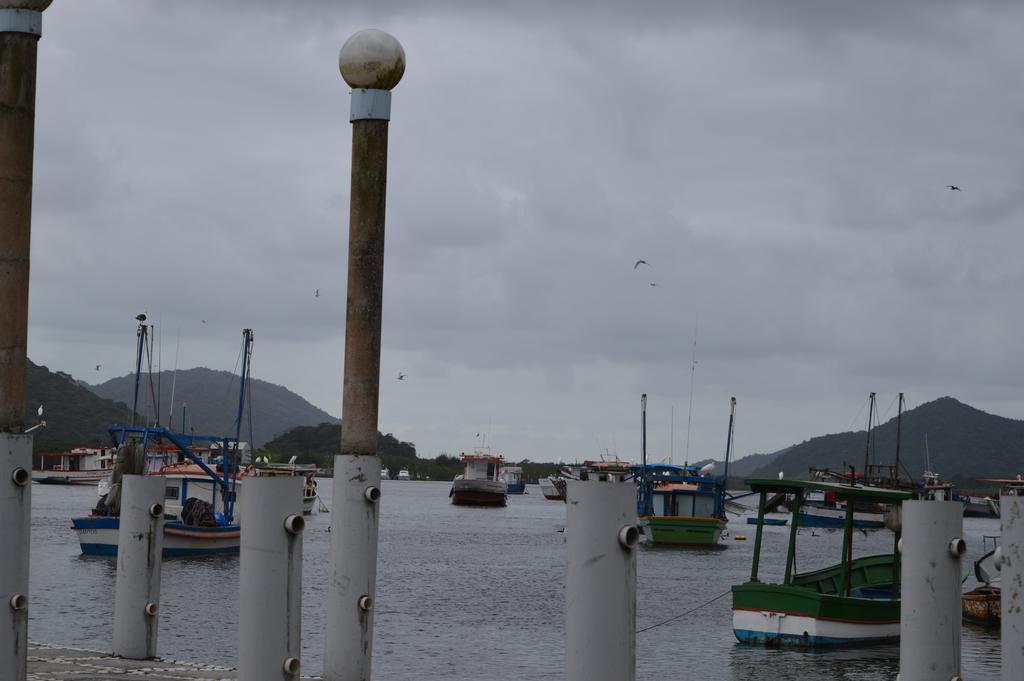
1011	578
20	28
371	62
930	609
15	527
600	587
140	543
270	579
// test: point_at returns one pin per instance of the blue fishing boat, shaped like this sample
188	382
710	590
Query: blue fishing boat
513	479
199	526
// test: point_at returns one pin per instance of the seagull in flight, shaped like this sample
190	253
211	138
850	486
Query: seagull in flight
316	294
204	321
953	188
401	376
641	262
653	284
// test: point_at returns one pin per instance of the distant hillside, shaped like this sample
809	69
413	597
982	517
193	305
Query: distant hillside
212	398
965	444
74	416
318	444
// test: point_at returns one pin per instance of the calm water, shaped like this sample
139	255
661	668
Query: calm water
470	594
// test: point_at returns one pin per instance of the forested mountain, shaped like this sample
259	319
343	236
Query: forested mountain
74	416
212	399
964	444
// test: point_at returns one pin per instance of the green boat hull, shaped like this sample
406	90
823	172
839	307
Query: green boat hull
684	530
809	612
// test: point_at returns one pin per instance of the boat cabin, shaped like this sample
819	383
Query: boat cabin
481	466
78	459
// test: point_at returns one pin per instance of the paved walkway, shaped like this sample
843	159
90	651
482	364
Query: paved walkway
54	663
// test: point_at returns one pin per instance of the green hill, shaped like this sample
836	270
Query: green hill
74	416
318	444
964	444
212	399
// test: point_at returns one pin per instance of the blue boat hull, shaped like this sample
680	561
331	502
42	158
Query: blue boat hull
516	487
97	536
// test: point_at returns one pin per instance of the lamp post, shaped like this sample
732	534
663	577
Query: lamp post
21	24
371	62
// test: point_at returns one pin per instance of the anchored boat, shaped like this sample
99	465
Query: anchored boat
80	466
854	602
682	505
479	484
512	476
685	507
194	526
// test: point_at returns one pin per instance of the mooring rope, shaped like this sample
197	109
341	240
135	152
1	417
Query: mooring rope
673	619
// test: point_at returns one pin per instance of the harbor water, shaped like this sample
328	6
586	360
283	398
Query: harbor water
466	594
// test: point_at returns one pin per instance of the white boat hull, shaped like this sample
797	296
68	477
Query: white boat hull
767	626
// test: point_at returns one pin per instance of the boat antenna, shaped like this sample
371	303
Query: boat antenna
899	431
672	435
159	367
867	442
693	369
174	383
927	457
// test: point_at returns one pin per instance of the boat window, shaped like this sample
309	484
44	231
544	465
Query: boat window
170	492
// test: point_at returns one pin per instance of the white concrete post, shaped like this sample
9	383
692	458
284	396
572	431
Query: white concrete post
15	527
1011	578
930	611
372	63
600	588
140	543
270	579
352	576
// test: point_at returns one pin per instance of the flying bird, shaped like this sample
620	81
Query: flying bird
953	188
98	367
653	284
401	376
316	294
640	262
204	321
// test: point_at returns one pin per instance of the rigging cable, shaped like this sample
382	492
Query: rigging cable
149	363
673	619
231	380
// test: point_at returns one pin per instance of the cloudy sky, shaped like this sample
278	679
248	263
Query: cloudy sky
782	167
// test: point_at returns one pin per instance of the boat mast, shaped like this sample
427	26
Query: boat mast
672	436
643	450
230	461
867	442
899	424
141	335
728	450
728	439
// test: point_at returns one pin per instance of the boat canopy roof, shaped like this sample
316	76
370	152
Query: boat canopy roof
843	491
675	468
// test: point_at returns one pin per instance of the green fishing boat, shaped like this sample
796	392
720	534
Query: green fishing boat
855	602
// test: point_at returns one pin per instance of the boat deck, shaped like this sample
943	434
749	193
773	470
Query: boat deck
56	663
